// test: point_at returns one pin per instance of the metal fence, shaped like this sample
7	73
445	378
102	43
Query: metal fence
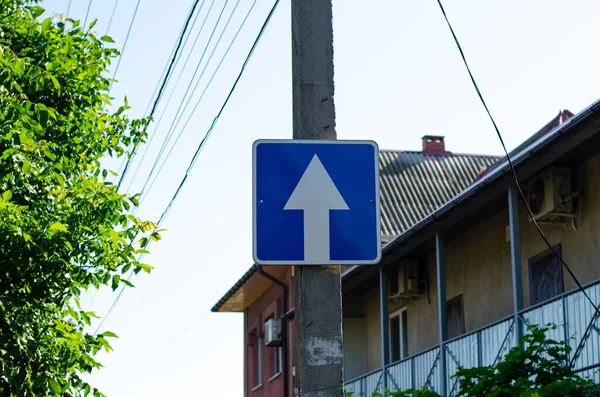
576	320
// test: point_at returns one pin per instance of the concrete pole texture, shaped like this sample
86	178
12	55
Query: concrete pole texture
317	289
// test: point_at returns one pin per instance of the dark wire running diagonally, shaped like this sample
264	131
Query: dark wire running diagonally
198	150
518	185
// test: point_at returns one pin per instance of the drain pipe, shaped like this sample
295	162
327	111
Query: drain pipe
284	318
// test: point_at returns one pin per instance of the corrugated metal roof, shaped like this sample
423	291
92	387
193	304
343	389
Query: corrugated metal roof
414	184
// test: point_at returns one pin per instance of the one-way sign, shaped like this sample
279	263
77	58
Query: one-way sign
316	202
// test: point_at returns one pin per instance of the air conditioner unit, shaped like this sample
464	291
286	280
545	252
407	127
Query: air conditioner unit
550	195
405	283
273	334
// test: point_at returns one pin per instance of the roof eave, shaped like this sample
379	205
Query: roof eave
494	175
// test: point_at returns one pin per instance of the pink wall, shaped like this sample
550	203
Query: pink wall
269	304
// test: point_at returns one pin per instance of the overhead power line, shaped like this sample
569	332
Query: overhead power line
164	79
157	124
197	103
216	119
112	15
152	98
199	149
87	13
137	6
510	163
164	82
170	131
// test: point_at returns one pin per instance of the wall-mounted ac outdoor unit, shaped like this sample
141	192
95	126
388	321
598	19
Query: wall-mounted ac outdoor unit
273	334
550	194
404	281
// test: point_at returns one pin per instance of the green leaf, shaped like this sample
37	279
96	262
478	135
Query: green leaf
7	195
16	139
126	268
109	334
46	24
92	24
55	387
36	11
49	154
59	227
107	39
127	283
55	82
115	281
42	114
26	166
145	267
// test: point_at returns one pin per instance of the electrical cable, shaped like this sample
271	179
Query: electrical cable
164	82
87	13
158	83
170	131
216	119
198	102
147	146
514	172
198	150
112	15
68	9
137	6
165	75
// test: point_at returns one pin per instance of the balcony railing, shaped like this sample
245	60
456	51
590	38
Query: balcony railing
576	320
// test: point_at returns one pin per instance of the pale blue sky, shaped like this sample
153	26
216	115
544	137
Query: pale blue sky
398	76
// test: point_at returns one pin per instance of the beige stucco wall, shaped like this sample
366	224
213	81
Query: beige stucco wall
373	322
580	248
478	266
355	352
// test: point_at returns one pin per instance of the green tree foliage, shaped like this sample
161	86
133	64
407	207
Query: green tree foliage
540	369
64	228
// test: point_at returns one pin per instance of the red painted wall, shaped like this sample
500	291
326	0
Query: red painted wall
269	304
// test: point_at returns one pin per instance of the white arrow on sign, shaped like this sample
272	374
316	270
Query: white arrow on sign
316	195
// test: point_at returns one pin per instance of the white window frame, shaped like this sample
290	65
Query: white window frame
259	361
277	362
397	313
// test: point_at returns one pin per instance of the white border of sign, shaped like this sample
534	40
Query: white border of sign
320	142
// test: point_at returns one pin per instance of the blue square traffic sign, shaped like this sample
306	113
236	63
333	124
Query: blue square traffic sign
316	202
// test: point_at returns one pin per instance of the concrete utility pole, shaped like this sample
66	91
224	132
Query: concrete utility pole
317	289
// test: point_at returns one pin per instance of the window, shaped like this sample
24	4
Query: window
277	356
545	276
256	345
455	317
398	335
259	362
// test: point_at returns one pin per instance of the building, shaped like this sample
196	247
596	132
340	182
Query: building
463	269
460	286
413	184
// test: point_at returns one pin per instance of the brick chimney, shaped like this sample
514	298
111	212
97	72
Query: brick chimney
434	145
